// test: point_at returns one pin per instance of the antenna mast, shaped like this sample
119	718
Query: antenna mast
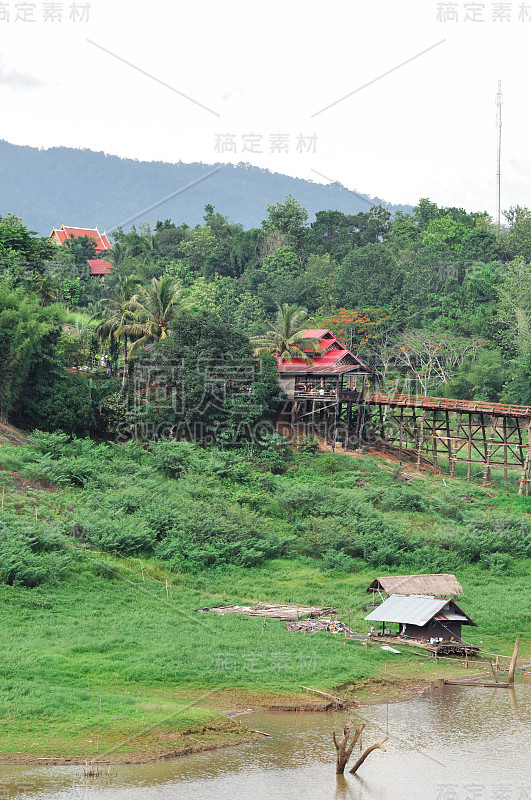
498	163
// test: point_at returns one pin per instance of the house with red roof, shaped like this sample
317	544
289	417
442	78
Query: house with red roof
101	243
334	371
62	234
98	268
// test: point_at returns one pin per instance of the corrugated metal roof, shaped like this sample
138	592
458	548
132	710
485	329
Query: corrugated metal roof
415	609
418	609
316	333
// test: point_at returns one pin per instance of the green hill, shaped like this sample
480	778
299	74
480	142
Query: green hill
82	187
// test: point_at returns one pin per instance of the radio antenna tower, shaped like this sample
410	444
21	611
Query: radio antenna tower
498	162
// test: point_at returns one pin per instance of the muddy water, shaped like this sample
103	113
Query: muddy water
456	743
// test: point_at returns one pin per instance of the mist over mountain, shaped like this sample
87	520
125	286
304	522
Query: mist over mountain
87	188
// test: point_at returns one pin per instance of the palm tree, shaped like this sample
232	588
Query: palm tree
285	337
153	309
117	254
116	317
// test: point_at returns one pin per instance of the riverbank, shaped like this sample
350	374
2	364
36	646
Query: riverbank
108	665
223	718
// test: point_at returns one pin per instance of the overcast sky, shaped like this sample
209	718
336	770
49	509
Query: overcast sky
384	96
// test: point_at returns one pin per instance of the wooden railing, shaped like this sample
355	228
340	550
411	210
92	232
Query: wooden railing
448	404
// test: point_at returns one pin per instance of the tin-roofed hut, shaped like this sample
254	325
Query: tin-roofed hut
421	616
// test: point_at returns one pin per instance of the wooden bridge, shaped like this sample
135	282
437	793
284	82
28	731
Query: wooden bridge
448	404
438	432
478	434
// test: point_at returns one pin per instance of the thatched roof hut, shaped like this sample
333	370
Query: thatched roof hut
440	585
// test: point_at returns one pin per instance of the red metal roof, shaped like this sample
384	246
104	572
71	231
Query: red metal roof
326	363
317	333
99	267
65	232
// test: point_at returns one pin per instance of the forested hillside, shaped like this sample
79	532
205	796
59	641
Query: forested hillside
82	187
436	302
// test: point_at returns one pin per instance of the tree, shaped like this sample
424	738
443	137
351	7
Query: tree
370	277
57	400
20	250
285	337
267	391
517	240
117	254
319	282
431	357
424	212
332	233
444	233
116	318
153	308
278	280
515	304
288	218
198	381
480	245
26	330
482	378
82	248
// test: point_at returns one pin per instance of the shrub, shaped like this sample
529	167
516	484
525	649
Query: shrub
125	533
30	556
338	561
173	458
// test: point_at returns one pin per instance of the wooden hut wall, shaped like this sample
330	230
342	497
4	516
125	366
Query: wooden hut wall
435	630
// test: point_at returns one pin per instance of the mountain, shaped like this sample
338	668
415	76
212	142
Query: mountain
82	187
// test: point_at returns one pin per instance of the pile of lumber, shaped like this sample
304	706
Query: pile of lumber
316	625
287	613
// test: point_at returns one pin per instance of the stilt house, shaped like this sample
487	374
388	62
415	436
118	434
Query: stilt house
334	373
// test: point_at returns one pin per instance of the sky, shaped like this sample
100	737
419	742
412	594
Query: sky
391	98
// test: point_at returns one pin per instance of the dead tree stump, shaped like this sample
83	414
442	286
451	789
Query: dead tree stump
344	750
362	758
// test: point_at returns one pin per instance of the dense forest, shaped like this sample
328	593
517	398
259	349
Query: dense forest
436	302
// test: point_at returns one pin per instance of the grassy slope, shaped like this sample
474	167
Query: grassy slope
163	667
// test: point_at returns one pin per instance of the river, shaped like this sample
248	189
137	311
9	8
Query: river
453	743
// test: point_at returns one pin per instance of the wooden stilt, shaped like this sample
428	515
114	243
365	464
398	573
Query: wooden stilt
524	481
434	444
488	449
420	438
347	422
451	463
401	433
469	461
485	446
505	449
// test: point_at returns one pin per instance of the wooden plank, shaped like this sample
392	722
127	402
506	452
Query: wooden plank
489	684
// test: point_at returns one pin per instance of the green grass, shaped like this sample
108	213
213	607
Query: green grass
162	666
154	655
